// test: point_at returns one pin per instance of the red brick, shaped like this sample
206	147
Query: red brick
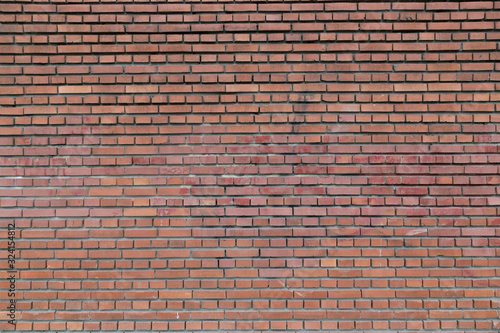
197	167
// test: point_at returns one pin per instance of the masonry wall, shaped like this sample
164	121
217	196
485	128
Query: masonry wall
251	166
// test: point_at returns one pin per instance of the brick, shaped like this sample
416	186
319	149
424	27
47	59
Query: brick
263	166
274	27
75	89
107	8
73	8
174	8
413	26
442	6
274	7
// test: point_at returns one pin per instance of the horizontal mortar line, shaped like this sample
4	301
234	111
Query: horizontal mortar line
255	31
260	256
214	130
55	218
296	109
263	52
344	289
131	63
265	144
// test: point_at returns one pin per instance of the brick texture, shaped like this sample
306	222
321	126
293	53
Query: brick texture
251	166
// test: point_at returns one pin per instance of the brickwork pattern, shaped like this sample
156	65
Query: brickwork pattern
251	166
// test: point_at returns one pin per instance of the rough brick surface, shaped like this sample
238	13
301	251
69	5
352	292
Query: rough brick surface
251	166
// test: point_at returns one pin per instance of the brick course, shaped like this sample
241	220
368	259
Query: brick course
251	166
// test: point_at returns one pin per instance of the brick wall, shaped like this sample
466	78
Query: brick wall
251	166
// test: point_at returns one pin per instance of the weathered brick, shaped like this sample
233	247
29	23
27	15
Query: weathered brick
199	167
